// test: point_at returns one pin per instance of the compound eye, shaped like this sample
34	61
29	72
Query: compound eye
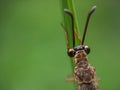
71	52
87	49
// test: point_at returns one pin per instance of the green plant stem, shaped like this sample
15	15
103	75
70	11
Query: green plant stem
69	4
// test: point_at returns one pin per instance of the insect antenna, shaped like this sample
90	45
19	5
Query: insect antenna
87	21
72	19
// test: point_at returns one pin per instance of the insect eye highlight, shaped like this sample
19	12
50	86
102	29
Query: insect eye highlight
71	52
87	49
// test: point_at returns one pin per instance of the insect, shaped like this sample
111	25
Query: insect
84	73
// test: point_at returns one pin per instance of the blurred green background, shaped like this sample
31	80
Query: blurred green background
33	48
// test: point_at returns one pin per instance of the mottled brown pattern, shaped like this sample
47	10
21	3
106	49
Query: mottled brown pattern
84	73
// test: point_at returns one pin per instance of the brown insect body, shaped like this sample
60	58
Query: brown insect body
84	73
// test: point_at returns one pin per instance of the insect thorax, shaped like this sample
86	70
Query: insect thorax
84	73
80	58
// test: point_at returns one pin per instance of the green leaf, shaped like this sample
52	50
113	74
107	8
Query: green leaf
69	4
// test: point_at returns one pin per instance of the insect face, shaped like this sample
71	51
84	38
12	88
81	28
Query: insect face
73	51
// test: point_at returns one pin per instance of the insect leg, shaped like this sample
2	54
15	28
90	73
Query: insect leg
70	79
77	36
66	33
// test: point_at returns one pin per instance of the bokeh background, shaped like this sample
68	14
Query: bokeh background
33	48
